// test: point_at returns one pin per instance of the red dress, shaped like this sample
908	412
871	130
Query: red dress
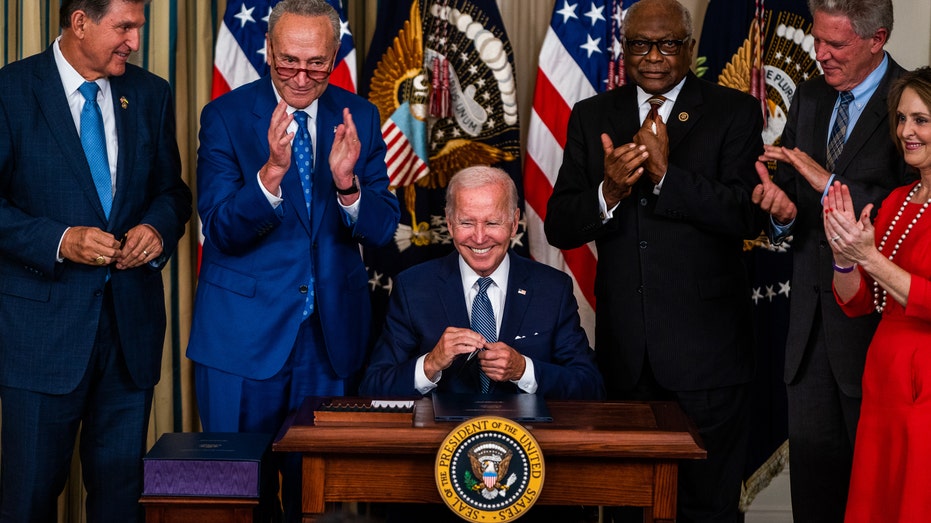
891	477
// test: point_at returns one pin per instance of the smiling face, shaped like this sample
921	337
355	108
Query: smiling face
304	42
655	72
482	226
845	58
102	48
914	130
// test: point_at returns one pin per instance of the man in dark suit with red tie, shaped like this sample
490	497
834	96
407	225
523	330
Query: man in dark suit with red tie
666	199
91	207
837	130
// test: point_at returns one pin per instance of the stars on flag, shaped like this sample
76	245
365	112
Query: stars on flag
245	16
768	292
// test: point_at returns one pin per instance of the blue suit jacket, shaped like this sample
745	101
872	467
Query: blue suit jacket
249	298
540	321
48	310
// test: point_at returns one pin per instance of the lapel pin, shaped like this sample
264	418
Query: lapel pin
124	103
522	292
683	116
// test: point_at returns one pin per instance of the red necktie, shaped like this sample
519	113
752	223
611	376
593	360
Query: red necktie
655	102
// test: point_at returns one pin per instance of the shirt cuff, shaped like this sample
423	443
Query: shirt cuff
422	383
58	257
527	381
273	199
605	213
780	230
659	187
824	193
351	210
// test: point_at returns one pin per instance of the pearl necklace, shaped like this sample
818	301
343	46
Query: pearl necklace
880	303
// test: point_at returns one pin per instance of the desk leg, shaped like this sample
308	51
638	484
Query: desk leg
665	484
313	482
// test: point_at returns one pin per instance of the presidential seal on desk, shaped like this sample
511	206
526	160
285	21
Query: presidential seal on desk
489	469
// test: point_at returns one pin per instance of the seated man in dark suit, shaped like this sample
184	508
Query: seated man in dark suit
535	344
439	333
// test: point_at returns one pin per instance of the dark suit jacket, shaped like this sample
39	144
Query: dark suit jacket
48	310
670	282
871	166
540	321
255	265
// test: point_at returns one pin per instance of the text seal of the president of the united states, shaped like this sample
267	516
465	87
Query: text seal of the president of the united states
489	469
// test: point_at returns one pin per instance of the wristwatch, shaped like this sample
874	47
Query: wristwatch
352	189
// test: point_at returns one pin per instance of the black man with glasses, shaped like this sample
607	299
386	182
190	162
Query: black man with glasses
659	174
291	181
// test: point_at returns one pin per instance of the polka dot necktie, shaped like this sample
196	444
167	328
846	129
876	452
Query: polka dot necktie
303	158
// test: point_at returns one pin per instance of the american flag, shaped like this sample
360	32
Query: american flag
581	56
240	52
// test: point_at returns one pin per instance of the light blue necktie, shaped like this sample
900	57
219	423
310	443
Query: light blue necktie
304	160
839	131
95	145
483	322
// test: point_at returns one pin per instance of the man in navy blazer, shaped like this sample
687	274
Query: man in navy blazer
82	313
428	342
282	307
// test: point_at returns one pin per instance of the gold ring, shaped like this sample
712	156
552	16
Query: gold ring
100	260
145	252
834	239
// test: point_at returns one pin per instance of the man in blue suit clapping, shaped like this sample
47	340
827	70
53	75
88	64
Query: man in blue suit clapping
291	182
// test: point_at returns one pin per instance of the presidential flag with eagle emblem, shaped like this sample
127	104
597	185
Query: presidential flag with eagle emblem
442	76
763	47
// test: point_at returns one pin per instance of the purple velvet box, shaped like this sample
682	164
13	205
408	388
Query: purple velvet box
209	464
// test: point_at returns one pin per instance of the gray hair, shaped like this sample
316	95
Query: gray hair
479	176
866	16
305	8
670	4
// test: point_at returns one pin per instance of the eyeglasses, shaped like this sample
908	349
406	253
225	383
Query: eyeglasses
318	70
665	47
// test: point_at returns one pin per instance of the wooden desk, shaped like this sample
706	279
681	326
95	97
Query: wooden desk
595	453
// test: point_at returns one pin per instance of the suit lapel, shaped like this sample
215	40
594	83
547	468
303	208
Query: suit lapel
328	117
452	299
126	118
53	104
519	294
291	189
823	110
624	128
875	114
686	112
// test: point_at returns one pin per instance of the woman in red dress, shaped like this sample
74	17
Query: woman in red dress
887	269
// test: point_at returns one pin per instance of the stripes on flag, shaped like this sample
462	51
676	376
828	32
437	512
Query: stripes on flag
575	61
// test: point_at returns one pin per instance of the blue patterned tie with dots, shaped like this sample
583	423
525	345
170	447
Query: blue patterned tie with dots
483	322
95	145
304	161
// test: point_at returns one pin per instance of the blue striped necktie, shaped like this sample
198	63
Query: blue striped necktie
95	145
483	322
839	130
303	157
